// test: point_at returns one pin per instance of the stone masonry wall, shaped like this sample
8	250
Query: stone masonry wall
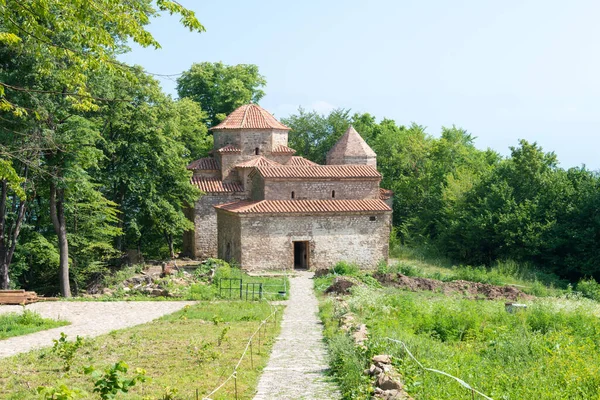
320	189
205	221
229	245
279	138
350	160
267	240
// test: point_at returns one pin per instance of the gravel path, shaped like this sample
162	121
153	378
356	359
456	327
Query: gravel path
298	359
88	319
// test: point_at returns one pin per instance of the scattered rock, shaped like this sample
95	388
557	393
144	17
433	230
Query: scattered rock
373	370
107	292
347	321
360	335
340	286
387	382
382	359
158	292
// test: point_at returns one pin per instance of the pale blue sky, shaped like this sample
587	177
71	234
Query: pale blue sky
503	70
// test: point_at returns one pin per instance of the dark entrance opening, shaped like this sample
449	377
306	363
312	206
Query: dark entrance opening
300	255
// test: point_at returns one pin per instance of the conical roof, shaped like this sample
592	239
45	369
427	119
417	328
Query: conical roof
352	145
250	116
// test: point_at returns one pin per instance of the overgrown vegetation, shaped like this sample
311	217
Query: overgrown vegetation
548	350
213	279
169	358
14	324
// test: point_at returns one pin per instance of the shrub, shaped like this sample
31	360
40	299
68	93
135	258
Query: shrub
589	288
345	268
66	350
114	380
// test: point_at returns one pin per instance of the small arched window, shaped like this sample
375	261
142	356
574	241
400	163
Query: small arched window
257	151
293	195
333	194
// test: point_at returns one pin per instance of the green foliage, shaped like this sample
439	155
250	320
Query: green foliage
348	363
203	351
13	324
221	88
66	349
57	31
60	392
223	336
589	288
114	380
344	268
545	351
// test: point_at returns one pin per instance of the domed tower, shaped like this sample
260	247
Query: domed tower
248	132
351	149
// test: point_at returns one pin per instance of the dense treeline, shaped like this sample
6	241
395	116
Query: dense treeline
473	206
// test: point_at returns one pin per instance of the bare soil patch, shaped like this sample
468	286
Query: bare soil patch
339	286
474	290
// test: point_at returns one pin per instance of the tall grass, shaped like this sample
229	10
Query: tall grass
543	352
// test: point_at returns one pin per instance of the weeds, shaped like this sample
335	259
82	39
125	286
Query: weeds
114	380
66	350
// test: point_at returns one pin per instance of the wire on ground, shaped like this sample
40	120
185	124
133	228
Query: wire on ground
462	383
234	373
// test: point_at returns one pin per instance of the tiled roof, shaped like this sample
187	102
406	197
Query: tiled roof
259	161
215	185
207	163
320	171
250	116
230	149
385	194
351	144
300	161
304	206
281	149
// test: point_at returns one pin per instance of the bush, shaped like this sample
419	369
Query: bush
344	268
589	288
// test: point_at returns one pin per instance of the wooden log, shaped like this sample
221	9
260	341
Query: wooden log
12	291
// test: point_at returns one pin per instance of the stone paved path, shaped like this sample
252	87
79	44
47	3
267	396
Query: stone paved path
88	319
298	360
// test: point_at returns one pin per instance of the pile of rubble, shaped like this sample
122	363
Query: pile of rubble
156	281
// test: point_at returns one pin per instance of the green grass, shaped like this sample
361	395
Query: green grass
180	351
549	351
14	324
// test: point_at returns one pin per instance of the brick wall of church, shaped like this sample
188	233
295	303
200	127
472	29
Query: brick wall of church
266	241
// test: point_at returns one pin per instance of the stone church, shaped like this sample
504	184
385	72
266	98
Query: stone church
265	208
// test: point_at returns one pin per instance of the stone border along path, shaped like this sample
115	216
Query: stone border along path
88	319
298	359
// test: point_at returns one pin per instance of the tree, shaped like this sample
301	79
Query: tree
220	88
69	43
313	134
147	146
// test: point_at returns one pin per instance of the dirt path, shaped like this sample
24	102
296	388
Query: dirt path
298	359
88	319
